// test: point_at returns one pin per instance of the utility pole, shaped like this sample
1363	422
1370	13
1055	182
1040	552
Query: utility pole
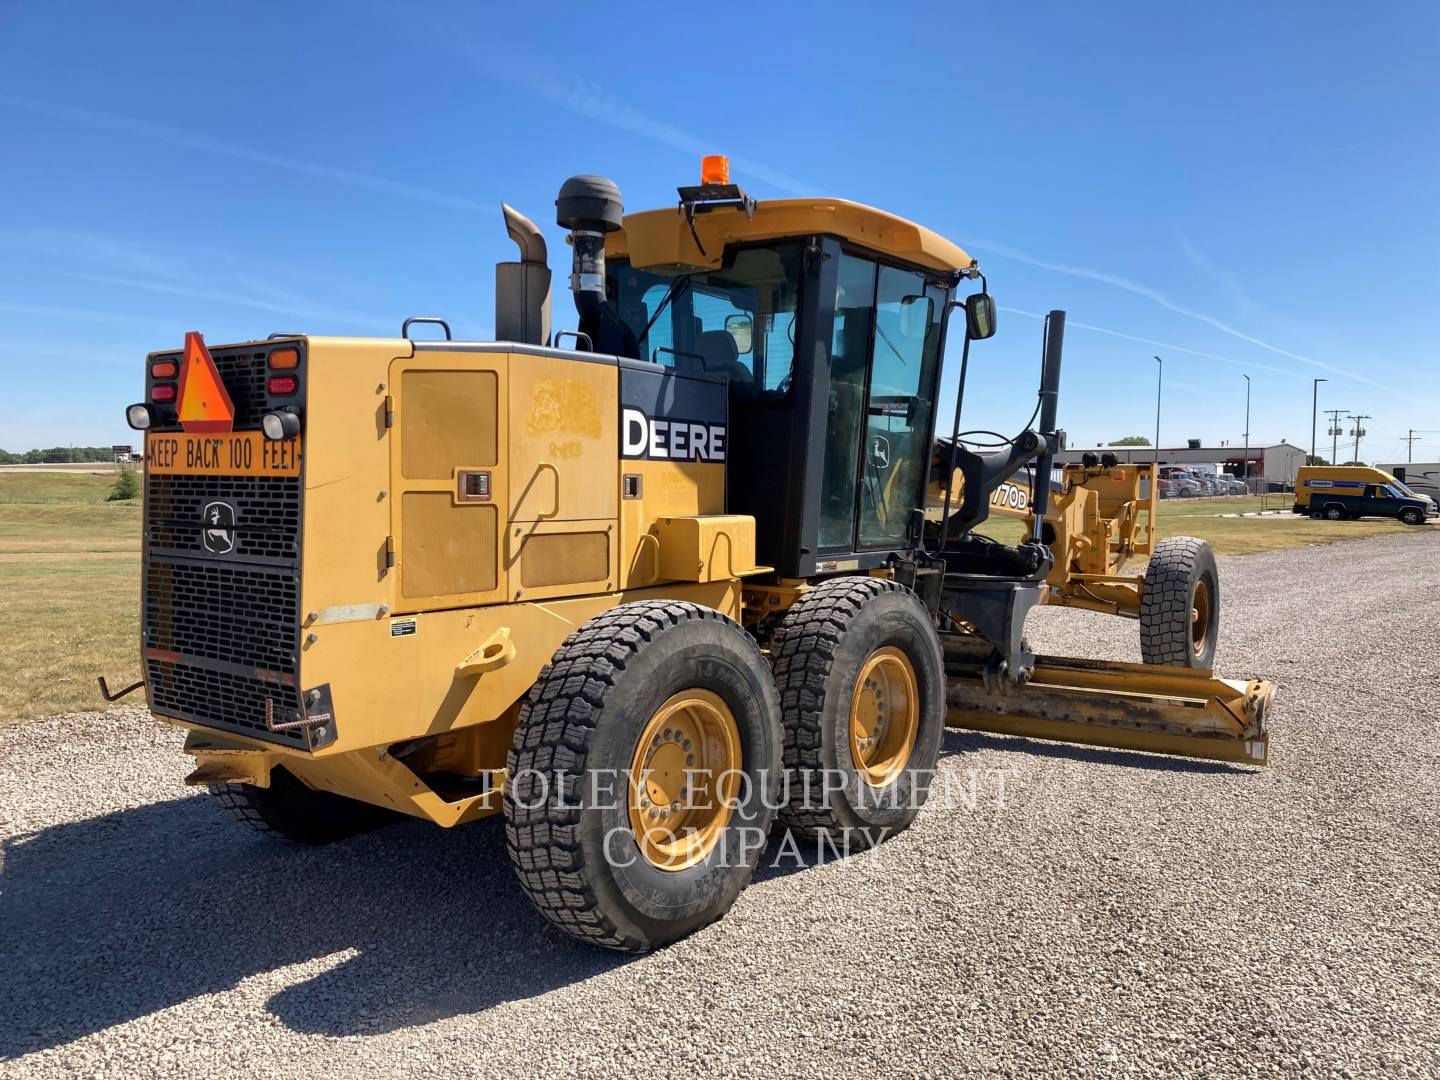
1314	400
1334	415
1410	446
1246	466
1159	379
1359	432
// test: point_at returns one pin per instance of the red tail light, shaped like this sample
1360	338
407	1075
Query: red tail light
282	385
162	392
163	369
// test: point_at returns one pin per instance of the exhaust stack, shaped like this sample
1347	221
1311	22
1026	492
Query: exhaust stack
522	289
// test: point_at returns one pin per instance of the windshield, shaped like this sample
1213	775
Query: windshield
1399	487
738	320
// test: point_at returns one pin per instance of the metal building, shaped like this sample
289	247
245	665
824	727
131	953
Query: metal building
1275	464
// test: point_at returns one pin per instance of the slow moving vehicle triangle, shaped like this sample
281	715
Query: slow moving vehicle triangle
204	403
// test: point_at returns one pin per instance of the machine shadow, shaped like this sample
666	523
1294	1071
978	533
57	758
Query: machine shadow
961	741
115	917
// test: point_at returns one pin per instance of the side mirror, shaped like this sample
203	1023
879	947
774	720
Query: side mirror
979	316
742	329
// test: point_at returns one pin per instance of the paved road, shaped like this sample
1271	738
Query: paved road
1110	912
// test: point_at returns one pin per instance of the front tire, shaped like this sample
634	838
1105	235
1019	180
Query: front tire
862	692
1411	516
644	774
1180	605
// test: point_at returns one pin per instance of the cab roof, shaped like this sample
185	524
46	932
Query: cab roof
661	241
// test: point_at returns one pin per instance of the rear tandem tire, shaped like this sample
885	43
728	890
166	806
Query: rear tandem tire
858	759
288	810
1180	605
644	774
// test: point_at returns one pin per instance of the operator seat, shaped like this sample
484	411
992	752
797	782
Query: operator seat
720	356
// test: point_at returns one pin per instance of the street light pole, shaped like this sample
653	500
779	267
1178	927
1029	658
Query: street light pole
1159	379
1247	434
1314	401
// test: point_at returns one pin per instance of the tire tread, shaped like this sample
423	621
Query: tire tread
557	721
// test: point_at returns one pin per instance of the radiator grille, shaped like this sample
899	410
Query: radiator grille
267	514
231	613
222	699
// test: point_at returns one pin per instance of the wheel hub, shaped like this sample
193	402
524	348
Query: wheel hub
884	716
684	777
1200	617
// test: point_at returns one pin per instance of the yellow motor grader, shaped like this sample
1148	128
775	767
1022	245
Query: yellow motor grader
646	592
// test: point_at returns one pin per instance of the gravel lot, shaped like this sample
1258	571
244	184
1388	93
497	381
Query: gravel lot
1103	912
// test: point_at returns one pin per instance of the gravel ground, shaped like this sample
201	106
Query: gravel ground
1094	912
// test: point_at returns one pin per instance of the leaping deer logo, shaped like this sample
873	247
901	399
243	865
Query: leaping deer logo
217	533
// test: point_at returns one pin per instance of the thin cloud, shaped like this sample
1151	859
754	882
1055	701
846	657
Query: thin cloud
188	292
1207	266
125	125
1157	297
51	311
1151	341
591	101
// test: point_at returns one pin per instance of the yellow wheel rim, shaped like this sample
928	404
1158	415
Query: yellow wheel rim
884	716
684	777
1200	617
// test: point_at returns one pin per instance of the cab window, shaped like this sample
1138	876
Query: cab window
737	321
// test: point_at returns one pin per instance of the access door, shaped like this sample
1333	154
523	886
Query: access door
449	431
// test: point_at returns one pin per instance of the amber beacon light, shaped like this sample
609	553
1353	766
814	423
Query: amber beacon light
714	169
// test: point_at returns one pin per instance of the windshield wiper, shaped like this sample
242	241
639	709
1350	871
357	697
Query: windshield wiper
670	294
891	344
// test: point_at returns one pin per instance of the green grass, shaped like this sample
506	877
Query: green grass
69	591
92	485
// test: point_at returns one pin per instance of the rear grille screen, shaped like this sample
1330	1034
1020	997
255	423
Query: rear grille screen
267	514
232	701
221	632
235	614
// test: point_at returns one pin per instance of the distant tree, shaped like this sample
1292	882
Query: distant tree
1354	463
127	485
1315	459
55	455
1131	440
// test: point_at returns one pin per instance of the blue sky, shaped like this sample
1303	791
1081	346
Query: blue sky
1242	188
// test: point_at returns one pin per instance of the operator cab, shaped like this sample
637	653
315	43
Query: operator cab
827	320
832	355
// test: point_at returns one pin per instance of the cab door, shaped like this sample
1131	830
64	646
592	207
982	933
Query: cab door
899	406
449	432
884	361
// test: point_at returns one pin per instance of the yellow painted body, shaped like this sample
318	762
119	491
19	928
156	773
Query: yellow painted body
1094	526
661	241
429	610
